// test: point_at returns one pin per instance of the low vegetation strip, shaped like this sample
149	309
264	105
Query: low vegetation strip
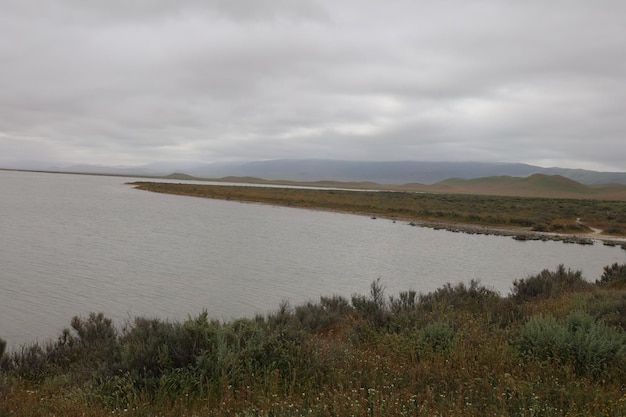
556	346
573	216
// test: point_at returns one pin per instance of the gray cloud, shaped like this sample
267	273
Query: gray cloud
132	82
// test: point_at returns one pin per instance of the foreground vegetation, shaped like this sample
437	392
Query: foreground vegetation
537	214
555	346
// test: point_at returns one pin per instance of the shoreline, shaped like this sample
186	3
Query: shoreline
520	234
516	232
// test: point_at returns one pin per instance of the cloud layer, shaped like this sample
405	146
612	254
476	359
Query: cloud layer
130	82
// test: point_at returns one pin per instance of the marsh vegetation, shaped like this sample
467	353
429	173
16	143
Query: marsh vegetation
568	216
555	346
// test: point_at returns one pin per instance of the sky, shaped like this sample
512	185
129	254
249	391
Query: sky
129	82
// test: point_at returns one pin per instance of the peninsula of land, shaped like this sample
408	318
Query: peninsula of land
531	214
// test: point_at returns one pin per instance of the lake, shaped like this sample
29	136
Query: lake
73	244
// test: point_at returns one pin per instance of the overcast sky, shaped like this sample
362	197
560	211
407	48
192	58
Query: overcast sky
127	82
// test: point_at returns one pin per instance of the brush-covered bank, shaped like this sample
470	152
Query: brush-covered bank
555	346
533	217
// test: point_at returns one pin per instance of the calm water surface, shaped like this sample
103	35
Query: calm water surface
72	244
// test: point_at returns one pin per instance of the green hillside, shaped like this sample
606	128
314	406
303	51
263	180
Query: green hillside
180	176
536	185
554	183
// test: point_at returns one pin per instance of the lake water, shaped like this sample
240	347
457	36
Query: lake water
73	244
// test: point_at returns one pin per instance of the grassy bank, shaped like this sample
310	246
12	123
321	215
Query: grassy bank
575	216
555	346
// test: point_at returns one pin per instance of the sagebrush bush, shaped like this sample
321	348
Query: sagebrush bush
614	229
436	337
29	362
406	301
151	346
374	307
595	346
472	296
608	306
548	284
590	347
614	274
95	331
91	346
455	351
540	337
3	357
324	314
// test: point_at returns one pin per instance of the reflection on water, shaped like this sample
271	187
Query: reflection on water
72	244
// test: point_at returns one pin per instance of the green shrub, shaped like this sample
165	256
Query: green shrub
406	301
324	314
145	347
524	222
3	345
279	319
152	347
614	230
89	349
436	337
590	347
504	312
474	296
613	274
116	392
540	337
29	362
594	346
557	227
91	346
610	307
548	284
374	308
577	227
95	331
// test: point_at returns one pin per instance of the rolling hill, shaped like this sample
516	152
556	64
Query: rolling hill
535	185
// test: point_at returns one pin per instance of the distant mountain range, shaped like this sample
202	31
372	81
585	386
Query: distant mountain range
310	170
535	185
